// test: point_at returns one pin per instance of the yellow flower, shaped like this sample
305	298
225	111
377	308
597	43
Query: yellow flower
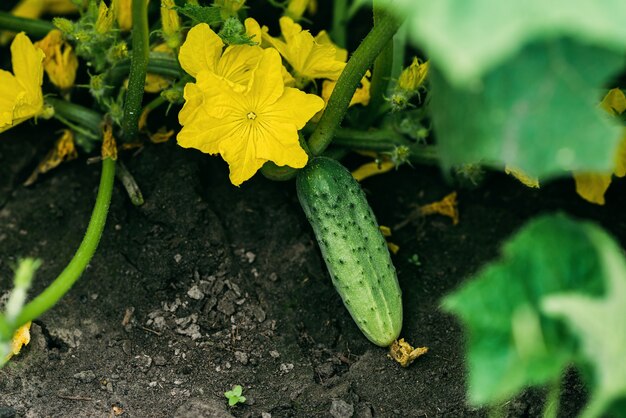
20	93
323	38
104	22
412	77
248	125
308	58
61	62
123	13
171	24
296	8
203	51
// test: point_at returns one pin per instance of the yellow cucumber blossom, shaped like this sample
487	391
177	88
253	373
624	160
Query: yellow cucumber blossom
104	22
412	77
308	58
296	8
123	13
248	124
61	62
20	93
171	24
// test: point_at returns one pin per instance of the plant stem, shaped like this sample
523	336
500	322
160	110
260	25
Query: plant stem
51	295
381	75
33	27
349	80
157	64
551	406
375	140
340	17
138	67
78	114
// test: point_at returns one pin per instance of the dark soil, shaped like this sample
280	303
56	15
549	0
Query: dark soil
207	286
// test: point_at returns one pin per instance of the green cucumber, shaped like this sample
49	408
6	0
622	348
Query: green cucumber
353	247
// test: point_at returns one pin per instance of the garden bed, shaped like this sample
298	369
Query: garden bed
207	286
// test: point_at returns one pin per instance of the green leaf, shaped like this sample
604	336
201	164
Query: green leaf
201	14
537	112
511	343
599	323
468	38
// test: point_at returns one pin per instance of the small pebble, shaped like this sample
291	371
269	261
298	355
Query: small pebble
85	376
341	409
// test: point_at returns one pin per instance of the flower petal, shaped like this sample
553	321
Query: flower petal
201	50
238	62
266	85
294	107
28	69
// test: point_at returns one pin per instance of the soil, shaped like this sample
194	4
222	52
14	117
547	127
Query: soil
207	286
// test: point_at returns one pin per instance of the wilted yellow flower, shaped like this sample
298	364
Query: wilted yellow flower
64	150
247	124
412	77
308	58
21	337
522	177
296	8
20	93
171	24
446	207
61	62
593	186
374	168
104	22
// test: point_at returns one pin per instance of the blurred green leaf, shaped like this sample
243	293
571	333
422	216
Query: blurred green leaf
467	38
511	343
600	324
537	112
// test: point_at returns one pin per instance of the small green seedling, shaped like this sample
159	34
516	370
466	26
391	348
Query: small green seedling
234	396
415	260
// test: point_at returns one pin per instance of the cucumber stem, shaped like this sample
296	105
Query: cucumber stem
59	287
138	67
33	27
350	78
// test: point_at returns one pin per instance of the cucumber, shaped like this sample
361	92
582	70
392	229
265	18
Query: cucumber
353	247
